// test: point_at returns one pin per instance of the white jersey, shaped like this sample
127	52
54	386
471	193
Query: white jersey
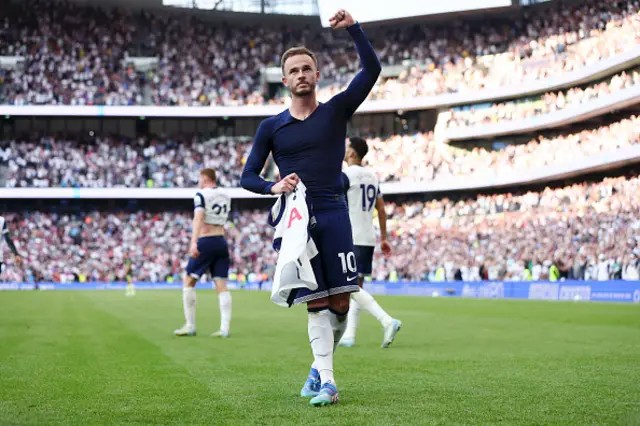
215	203
363	189
4	231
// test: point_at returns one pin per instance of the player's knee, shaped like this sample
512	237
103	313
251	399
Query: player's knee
189	281
221	285
339	304
318	305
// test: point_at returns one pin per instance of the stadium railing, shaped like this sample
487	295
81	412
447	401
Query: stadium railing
577	166
587	74
573	114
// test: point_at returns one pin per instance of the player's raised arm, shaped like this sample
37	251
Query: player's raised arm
364	81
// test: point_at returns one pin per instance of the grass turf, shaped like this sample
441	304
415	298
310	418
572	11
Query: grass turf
98	357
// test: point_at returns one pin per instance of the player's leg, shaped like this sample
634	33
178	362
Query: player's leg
321	340
220	272
391	325
320	333
131	290
195	268
224	300
364	263
189	306
364	300
335	246
339	306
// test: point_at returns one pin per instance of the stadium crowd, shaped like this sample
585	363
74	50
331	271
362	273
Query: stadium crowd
418	157
111	162
149	162
547	103
541	45
203	63
583	231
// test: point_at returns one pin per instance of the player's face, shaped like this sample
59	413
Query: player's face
300	75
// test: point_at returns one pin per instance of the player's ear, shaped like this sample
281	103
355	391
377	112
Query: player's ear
284	81
317	75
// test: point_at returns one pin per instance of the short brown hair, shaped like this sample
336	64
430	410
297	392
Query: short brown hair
300	50
210	173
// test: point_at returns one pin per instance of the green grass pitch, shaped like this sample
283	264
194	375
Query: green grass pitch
97	357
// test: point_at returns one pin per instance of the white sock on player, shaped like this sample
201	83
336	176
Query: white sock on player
321	339
352	321
224	299
367	302
189	304
338	326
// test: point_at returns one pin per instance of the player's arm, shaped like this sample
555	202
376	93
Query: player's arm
366	78
10	243
346	184
382	221
198	222
251	179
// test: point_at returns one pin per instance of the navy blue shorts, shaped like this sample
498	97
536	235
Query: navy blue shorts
364	258
335	265
214	258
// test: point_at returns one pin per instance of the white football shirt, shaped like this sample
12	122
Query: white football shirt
362	189
215	204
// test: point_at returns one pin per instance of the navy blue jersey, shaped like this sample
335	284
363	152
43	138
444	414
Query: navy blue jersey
314	148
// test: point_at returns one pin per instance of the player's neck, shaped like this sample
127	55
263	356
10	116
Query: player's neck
303	106
351	162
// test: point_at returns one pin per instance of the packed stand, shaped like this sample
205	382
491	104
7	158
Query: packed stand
548	103
175	163
584	231
112	162
74	55
94	246
77	55
419	158
541	45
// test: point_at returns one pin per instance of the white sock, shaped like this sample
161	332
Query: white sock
321	339
352	321
366	301
338	326
224	299
189	304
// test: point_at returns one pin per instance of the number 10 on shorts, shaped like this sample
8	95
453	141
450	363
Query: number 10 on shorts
348	261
